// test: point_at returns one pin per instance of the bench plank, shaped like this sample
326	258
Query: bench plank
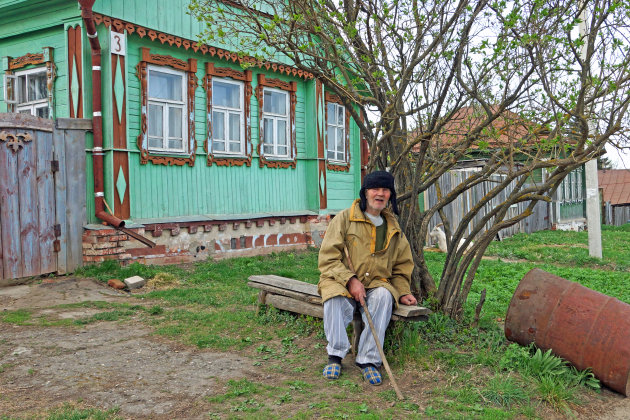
286	283
301	297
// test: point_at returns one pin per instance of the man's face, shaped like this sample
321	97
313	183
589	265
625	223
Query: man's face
377	199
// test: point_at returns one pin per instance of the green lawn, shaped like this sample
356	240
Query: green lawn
474	372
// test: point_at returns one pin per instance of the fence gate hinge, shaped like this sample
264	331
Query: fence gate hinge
54	165
56	245
57	229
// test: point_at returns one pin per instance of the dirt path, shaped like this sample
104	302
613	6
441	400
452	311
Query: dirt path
109	364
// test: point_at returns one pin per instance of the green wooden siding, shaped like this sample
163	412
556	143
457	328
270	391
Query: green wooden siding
33	43
158	191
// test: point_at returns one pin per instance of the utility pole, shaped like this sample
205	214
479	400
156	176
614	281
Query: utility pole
593	211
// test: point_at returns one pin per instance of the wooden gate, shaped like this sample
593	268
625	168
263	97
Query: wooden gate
38	211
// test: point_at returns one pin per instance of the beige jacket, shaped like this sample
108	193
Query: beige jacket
390	268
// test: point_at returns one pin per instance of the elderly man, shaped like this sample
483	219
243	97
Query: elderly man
381	258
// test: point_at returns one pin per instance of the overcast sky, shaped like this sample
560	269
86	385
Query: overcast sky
620	160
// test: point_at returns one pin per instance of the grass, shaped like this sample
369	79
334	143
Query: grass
465	372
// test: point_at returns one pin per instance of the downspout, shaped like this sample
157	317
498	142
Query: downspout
97	118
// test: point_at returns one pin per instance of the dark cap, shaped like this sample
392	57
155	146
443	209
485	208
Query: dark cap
378	179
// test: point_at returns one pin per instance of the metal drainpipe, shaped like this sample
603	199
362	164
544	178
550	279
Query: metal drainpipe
97	119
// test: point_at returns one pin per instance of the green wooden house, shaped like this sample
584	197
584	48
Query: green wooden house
199	153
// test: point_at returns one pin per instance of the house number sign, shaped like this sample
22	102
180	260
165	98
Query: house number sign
118	43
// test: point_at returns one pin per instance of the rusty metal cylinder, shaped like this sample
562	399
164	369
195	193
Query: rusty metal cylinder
585	327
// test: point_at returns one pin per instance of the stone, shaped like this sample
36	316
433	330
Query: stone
116	284
135	282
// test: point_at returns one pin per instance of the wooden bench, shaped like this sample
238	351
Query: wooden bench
301	297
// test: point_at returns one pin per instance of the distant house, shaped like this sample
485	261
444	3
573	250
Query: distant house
203	156
615	186
566	212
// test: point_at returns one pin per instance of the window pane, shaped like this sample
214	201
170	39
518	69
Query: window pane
218	126
268	127
42	111
282	150
275	102
340	115
226	94
331	155
24	111
235	127
235	147
175	144
155	142
330	111
22	89
331	138
37	86
282	132
340	140
155	120
268	150
165	85
175	122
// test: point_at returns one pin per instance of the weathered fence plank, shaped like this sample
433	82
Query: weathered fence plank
9	211
75	193
46	197
27	202
60	200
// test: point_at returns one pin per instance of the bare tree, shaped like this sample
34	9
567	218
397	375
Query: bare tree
501	84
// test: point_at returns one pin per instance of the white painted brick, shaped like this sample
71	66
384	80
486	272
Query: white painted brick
135	282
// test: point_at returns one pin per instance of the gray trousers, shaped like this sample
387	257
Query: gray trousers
338	313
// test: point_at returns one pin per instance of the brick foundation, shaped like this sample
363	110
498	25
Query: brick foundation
193	241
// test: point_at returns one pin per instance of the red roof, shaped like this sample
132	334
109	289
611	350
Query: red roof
616	185
508	128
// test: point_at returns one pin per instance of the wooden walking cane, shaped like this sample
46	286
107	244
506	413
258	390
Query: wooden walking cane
376	340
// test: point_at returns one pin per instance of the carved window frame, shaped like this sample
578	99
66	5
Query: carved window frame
291	89
336	165
14	65
190	69
219	158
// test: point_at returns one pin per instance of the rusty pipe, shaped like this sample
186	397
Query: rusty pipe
97	118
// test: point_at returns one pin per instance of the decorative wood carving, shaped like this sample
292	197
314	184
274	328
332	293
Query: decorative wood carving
320	123
291	87
15	141
246	78
122	208
46	57
26	60
190	68
339	167
74	59
121	25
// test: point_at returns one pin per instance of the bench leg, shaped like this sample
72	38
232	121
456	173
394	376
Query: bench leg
357	329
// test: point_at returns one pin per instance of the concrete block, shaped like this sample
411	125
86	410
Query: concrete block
135	282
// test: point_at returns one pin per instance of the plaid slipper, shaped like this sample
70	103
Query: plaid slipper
332	371
372	375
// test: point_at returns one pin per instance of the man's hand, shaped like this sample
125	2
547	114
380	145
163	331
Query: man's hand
408	300
356	289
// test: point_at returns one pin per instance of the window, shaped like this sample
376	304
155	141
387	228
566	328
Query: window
277	146
167	110
228	94
27	91
275	123
228	121
336	132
